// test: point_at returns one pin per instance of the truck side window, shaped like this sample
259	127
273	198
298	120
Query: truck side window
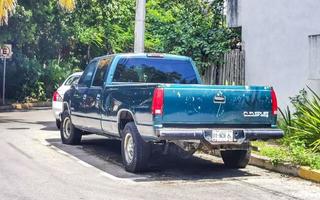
102	69
86	78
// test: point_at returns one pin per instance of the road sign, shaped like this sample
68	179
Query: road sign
6	51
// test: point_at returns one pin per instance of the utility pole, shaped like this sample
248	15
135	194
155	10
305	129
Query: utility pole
139	26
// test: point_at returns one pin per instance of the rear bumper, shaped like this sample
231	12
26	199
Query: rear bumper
263	134
239	135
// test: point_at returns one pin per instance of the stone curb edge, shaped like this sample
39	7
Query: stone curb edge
24	106
285	168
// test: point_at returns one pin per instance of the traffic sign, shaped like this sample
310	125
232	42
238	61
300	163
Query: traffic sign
6	51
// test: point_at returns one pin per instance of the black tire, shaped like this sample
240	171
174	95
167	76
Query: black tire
140	150
236	158
58	123
73	136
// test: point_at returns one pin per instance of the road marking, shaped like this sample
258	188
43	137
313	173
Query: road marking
62	152
45	143
103	173
84	164
110	176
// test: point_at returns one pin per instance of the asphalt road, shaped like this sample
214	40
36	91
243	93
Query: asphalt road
35	165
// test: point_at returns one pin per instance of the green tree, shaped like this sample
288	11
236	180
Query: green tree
49	44
193	28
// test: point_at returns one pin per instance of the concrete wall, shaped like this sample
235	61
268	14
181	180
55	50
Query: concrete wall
276	40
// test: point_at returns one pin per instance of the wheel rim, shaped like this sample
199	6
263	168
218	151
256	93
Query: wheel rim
128	148
66	128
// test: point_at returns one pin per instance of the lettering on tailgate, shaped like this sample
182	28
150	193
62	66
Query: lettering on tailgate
255	114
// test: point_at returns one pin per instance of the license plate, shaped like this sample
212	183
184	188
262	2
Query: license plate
222	136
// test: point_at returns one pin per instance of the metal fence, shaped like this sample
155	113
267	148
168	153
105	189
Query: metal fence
230	72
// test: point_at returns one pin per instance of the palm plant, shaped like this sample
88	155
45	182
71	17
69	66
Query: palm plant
7	8
68	5
306	125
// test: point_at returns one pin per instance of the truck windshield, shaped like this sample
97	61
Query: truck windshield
155	70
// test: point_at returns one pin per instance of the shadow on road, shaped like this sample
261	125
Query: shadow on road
47	125
105	154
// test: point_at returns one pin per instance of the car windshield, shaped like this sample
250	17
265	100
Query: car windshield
155	70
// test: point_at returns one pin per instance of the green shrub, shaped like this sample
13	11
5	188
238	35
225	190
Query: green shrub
305	126
302	156
301	142
28	81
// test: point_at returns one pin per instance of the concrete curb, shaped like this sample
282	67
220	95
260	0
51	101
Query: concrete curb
285	168
24	106
309	174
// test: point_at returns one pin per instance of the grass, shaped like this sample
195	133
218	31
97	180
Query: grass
296	155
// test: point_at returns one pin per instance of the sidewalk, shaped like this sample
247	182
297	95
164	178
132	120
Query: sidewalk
24	106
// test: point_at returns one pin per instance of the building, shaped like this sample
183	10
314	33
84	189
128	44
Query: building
281	40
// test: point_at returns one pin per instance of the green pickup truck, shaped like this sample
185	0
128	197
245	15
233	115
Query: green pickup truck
156	102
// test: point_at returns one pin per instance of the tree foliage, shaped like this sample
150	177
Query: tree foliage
49	43
193	28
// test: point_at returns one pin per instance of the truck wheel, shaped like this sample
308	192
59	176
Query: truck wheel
236	158
69	134
58	123
135	152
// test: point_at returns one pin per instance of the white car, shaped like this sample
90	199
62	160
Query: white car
57	99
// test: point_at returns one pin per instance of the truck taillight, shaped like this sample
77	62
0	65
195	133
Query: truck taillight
157	102
274	102
56	96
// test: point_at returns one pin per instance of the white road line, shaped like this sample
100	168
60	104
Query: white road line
103	173
84	164
62	152
45	143
109	176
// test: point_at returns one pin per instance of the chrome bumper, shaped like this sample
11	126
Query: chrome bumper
239	135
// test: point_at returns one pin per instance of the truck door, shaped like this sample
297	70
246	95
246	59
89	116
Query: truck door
79	99
93	103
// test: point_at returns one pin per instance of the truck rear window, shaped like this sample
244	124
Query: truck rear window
155	70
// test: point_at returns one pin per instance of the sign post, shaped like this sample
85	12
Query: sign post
4	81
5	53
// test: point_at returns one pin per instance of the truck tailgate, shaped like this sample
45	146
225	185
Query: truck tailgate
236	106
